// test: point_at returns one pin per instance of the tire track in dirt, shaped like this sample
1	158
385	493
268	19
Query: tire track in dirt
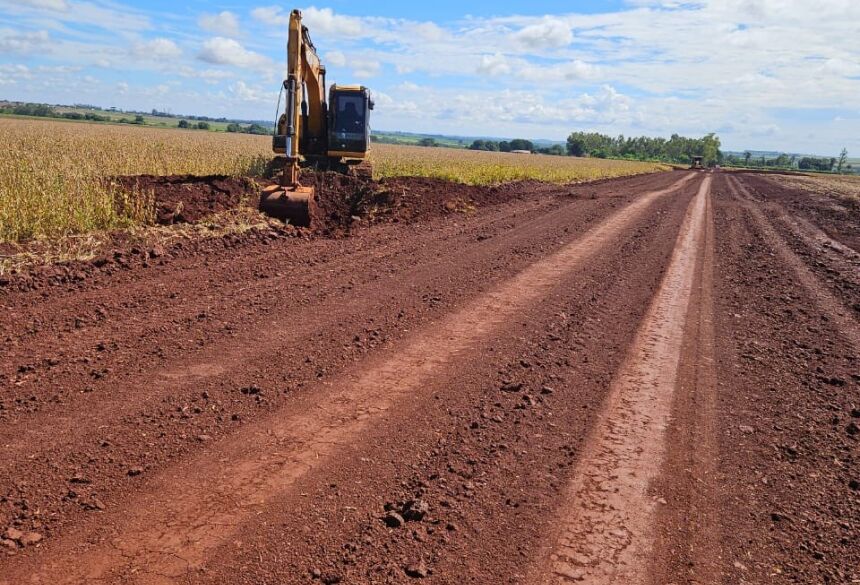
836	310
802	226
787	415
286	329
607	529
136	418
188	511
688	543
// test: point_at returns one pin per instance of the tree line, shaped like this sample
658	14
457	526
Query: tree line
503	145
676	149
44	111
824	164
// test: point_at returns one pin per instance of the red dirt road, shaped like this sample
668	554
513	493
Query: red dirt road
646	380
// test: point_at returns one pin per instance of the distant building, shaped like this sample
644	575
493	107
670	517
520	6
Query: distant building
521	152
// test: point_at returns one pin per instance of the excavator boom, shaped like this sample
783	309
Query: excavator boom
289	200
329	134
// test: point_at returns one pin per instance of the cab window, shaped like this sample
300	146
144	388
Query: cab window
349	117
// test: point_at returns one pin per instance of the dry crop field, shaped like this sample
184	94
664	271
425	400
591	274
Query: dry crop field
52	173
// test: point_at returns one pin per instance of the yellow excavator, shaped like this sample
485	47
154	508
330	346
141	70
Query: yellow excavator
312	132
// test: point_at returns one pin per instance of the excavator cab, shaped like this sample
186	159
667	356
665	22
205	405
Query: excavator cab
349	121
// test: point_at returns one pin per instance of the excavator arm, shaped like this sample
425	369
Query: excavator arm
301	128
330	135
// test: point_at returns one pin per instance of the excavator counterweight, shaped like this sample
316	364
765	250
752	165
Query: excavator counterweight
313	131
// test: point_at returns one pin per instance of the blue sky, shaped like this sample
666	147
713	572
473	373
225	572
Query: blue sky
764	74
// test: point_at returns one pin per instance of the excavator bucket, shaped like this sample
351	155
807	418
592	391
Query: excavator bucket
295	204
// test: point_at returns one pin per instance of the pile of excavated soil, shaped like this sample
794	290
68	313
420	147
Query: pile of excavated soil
344	200
187	198
341	199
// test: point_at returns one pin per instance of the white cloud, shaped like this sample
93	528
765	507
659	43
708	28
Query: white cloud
425	31
224	23
122	88
551	33
57	5
366	69
321	21
335	58
325	22
24	42
11	74
484	111
243	92
101	13
157	49
494	65
271	15
210	76
223	51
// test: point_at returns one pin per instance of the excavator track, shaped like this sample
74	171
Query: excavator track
362	171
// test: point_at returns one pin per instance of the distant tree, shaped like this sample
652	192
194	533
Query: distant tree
484	145
576	145
139	119
478	145
555	149
427	142
711	149
747	157
202	125
843	160
257	129
521	144
504	146
809	163
39	110
782	160
183	124
234	127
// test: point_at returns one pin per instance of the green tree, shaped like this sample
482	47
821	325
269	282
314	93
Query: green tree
234	127
576	144
183	124
747	157
843	160
203	125
427	142
258	129
711	149
521	144
782	160
555	149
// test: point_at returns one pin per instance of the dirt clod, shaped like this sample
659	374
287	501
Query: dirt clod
393	520
415	510
417	570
